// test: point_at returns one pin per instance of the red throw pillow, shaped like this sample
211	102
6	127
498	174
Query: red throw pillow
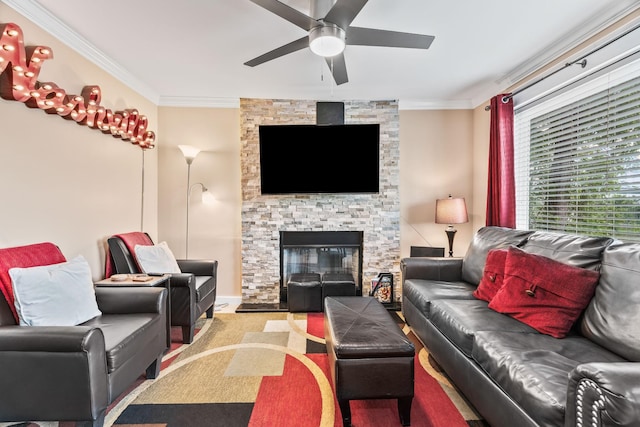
492	277
545	294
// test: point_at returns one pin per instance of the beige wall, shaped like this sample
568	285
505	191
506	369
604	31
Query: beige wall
436	159
214	230
66	183
481	124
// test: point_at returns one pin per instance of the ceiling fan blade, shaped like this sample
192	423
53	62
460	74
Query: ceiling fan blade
338	68
287	12
372	37
281	51
343	12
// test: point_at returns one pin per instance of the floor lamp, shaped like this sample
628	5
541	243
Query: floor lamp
451	211
189	153
142	196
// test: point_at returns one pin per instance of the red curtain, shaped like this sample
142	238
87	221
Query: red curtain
501	193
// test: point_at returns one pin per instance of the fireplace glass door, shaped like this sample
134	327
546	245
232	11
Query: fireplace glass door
321	253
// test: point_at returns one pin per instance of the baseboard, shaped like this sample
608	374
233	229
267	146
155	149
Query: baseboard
230	301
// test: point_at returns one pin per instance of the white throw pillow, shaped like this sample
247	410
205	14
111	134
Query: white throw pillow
55	295
156	259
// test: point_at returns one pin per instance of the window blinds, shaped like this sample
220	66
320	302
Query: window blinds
577	159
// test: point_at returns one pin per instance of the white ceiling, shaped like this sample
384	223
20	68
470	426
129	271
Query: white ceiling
191	52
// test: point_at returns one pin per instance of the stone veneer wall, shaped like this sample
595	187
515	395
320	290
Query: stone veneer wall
263	217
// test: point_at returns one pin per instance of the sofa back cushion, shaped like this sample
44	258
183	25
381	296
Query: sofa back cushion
485	239
579	251
612	317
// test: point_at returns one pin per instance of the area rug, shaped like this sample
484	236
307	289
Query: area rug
271	369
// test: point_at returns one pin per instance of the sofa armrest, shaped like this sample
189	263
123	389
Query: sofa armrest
199	267
604	394
52	367
446	269
136	299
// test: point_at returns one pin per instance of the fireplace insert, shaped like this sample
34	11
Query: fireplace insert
320	252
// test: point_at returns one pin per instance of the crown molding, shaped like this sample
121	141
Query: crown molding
413	104
32	10
204	102
198	102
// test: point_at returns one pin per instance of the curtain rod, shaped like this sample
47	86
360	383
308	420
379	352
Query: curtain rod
582	61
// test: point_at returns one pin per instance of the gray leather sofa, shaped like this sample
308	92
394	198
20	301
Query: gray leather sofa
72	373
514	375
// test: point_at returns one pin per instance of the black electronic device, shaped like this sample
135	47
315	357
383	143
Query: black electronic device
307	159
330	113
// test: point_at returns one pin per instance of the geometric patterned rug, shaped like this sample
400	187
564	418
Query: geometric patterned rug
270	369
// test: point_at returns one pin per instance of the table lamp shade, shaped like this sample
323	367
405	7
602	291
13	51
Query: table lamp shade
451	211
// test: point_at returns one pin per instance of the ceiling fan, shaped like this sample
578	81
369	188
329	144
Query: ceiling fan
330	31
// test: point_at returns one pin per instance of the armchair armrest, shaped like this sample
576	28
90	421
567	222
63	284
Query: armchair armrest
604	394
52	366
183	280
446	269
55	339
138	299
199	267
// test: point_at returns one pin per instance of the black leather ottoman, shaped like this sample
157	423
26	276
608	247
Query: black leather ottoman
369	355
338	284
304	292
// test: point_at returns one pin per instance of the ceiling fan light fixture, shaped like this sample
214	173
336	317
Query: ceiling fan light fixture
327	40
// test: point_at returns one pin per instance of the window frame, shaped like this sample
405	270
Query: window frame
524	116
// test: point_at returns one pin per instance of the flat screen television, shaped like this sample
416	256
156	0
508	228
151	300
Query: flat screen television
307	159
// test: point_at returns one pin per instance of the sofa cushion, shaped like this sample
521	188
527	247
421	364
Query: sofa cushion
493	275
614	309
126	335
55	295
459	320
579	251
543	293
533	369
422	292
484	240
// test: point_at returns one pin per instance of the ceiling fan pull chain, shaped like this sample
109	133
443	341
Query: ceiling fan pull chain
332	80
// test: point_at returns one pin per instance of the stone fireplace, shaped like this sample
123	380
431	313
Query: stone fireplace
376	216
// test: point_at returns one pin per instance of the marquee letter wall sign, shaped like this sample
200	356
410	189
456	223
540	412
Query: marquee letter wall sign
19	69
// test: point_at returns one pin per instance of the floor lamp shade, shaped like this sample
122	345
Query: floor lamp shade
451	211
189	152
